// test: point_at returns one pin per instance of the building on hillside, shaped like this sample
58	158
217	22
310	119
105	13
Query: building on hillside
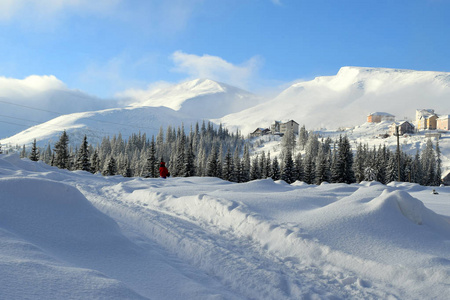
289	125
260	132
404	127
426	119
443	122
377	117
275	127
279	127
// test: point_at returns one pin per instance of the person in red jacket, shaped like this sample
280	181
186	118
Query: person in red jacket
163	172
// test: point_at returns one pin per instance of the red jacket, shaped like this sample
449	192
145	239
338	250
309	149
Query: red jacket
163	172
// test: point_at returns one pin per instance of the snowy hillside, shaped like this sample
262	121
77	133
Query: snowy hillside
37	99
200	98
76	235
345	100
99	124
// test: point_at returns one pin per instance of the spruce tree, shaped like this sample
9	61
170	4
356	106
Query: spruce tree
189	162
151	166
228	167
438	174
111	167
83	162
62	152
212	163
254	169
288	172
34	155
275	173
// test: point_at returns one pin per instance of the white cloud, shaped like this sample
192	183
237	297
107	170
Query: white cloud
33	84
277	2
216	68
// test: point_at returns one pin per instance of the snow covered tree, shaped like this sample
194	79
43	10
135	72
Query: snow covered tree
322	167
62	152
275	173
34	155
438	174
111	167
343	166
302	137
151	166
288	172
298	165
254	169
228	167
189	161
95	162
83	162
212	163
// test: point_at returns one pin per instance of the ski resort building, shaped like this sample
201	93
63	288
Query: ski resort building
279	127
377	117
260	132
426	119
443	122
404	127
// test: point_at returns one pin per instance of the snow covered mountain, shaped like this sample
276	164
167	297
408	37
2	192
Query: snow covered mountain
37	99
348	97
186	103
102	123
200	98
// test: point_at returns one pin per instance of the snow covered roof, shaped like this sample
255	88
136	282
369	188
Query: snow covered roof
443	117
378	113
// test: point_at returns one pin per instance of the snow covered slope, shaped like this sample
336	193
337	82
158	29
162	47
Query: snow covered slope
99	124
348	97
81	236
37	99
200	98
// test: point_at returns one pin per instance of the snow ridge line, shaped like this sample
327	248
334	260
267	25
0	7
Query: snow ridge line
286	243
302	256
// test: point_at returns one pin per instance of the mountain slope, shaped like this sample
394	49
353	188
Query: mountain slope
346	98
37	99
98	124
201	98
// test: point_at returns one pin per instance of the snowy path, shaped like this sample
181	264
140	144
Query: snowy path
240	263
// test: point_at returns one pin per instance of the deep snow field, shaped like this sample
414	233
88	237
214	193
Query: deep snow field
74	235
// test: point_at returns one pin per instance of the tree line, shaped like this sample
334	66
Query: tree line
215	152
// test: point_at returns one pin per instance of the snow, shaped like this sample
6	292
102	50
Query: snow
76	235
345	99
200	98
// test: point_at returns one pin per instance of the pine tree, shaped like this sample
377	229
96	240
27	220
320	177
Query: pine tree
34	155
246	164
83	162
254	169
275	173
438	177
1	151
151	166
62	152
288	172
212	163
189	163
298	165
95	162
228	167
359	165
111	167
322	167
343	171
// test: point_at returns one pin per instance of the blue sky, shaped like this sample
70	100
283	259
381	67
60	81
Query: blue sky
115	45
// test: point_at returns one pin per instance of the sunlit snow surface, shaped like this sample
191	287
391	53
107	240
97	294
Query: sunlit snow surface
73	235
